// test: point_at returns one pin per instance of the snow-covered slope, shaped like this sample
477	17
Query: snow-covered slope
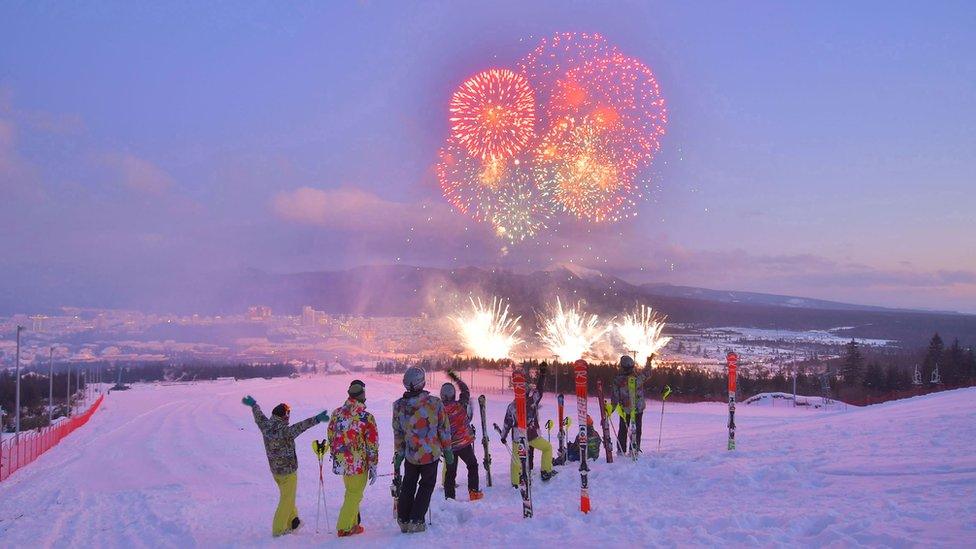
183	466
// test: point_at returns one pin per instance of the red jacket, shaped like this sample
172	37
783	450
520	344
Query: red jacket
459	413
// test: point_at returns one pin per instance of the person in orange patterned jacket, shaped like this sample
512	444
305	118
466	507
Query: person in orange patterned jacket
354	446
459	412
421	434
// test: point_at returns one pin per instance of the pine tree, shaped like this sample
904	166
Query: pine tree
933	357
874	378
853	365
954	360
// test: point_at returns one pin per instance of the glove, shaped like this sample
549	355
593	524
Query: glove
372	474
448	456
322	417
249	401
397	460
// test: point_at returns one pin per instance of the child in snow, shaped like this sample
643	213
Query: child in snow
460	413
279	444
353	443
593	443
532	399
620	396
421	433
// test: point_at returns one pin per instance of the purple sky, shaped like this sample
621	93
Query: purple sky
820	149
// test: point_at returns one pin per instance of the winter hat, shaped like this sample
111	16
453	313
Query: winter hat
626	363
281	410
447	391
414	378
357	390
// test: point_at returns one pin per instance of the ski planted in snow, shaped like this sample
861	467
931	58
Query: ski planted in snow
581	440
484	439
522	444
561	452
604	421
632	428
732	360
395	489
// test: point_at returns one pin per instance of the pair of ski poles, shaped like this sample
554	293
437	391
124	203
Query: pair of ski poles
319	448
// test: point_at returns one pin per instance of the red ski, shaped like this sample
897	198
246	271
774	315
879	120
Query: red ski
732	360
522	445
580	367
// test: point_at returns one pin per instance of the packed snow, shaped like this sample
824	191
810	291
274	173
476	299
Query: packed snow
183	465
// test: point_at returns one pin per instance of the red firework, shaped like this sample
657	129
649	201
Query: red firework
620	93
492	114
547	65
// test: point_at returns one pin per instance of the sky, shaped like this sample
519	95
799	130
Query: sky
819	149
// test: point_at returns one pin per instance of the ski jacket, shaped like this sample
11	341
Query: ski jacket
279	440
353	439
532	399
460	413
620	393
421	430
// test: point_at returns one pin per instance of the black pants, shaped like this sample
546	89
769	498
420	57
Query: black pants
466	455
622	432
418	485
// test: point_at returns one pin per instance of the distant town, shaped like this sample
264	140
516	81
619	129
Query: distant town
317	341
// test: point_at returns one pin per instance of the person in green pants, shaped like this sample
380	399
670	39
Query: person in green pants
353	443
279	444
533	435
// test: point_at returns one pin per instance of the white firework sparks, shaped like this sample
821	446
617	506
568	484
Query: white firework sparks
570	333
640	333
486	330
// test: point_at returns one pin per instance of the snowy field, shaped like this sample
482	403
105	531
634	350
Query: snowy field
183	466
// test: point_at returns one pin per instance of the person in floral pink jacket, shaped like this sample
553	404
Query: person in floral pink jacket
354	446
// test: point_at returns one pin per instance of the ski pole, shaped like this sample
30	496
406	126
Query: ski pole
664	396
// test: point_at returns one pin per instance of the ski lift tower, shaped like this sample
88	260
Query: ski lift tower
917	377
936	378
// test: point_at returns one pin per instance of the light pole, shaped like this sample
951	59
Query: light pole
67	391
50	385
17	398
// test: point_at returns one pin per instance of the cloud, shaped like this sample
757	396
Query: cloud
355	210
137	174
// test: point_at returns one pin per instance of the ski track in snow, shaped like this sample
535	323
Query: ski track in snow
183	466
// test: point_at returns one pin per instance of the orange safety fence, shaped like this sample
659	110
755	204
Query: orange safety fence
15	453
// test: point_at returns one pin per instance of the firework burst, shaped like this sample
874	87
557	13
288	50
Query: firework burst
620	94
492	114
588	175
501	192
569	333
486	330
547	65
640	333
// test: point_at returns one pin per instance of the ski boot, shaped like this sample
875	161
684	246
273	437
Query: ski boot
296	523
547	475
417	527
404	526
475	495
357	529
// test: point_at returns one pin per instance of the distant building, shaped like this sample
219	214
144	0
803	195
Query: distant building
258	312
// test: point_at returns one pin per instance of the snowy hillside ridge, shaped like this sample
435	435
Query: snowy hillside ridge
184	466
772	399
575	269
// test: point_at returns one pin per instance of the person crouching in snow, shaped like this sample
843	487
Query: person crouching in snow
459	413
279	444
421	433
353	443
532	400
